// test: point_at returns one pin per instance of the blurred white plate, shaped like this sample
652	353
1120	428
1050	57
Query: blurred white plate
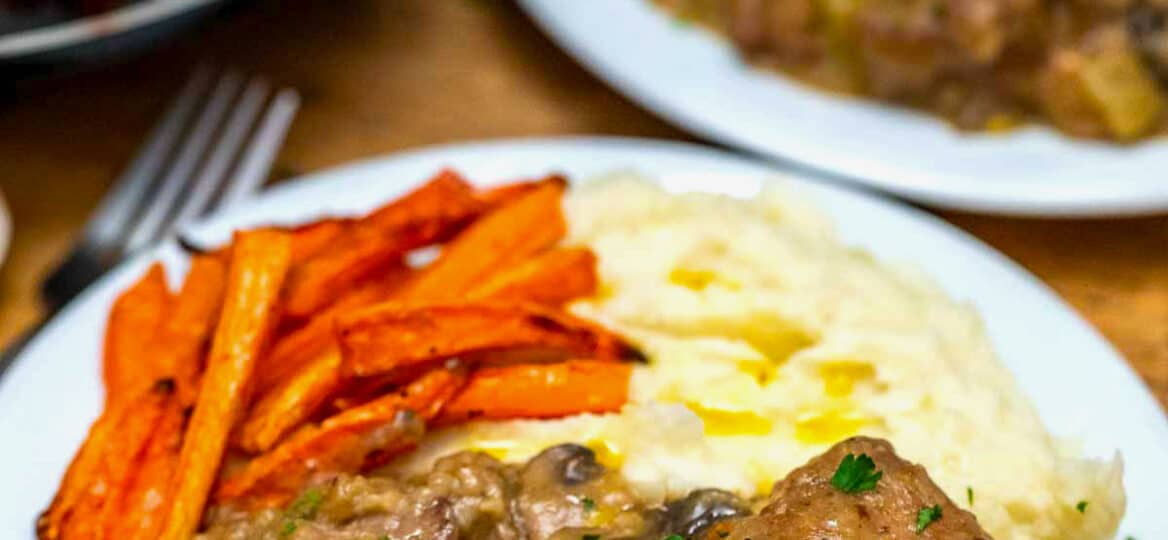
5	228
696	80
1081	387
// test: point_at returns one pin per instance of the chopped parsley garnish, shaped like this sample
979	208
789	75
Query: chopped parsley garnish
588	504
590	537
288	528
1081	507
674	537
927	516
305	506
969	495
856	474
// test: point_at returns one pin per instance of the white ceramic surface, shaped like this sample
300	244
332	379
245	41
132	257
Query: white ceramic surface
124	19
5	229
695	80
1081	387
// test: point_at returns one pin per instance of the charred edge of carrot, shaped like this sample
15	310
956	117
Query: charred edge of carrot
135	318
540	391
341	443
429	214
514	232
393	336
554	277
259	262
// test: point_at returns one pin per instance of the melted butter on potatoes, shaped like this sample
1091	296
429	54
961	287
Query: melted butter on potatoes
769	340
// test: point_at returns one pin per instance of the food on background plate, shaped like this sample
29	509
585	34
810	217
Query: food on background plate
1091	68
610	362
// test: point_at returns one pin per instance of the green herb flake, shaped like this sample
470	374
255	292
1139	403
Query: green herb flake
969	495
1081	507
674	537
588	504
288	528
306	505
927	516
856	474
590	537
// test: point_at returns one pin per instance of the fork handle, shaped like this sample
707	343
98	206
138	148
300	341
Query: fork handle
82	267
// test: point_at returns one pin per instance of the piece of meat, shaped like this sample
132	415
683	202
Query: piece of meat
805	506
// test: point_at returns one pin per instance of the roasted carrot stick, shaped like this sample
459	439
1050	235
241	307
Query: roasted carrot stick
259	262
512	233
392	336
551	278
135	316
179	349
311	238
104	467
430	214
506	193
138	512
291	402
344	442
303	369
540	391
317	337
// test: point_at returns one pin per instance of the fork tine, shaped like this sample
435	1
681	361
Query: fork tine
261	151
111	219
100	243
213	175
152	224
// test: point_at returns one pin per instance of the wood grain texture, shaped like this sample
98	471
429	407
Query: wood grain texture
379	77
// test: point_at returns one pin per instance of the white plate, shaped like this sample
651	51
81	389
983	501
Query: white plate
5	229
130	17
696	81
1081	386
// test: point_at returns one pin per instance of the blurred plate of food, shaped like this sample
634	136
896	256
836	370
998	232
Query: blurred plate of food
686	318
47	32
1038	108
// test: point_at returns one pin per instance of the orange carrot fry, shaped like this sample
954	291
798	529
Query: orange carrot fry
311	238
259	262
343	443
134	318
430	214
179	350
552	278
503	237
540	391
506	193
391	336
139	511
290	403
105	464
317	337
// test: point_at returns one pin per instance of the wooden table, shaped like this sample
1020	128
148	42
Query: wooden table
379	76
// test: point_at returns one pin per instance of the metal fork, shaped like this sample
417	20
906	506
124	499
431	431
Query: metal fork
212	148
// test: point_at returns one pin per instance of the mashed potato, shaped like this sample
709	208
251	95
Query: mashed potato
769	340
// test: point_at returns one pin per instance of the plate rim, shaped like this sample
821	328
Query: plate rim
78	30
279	196
1079	199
